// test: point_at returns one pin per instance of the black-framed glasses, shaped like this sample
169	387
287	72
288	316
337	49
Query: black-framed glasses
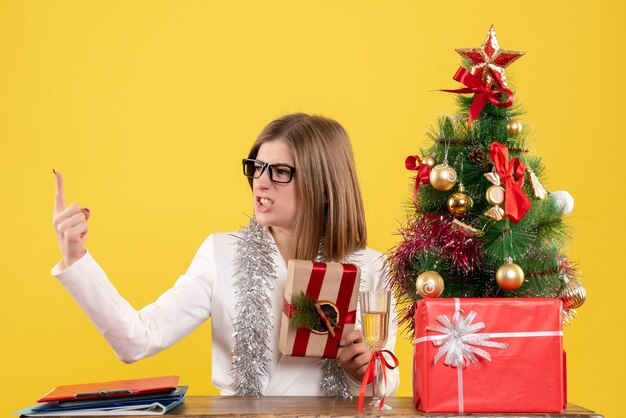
279	173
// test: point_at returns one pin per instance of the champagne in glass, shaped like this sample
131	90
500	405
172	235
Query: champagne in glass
375	325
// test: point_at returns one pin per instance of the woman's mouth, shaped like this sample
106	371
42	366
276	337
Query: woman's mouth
264	201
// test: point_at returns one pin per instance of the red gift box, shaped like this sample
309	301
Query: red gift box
324	282
488	355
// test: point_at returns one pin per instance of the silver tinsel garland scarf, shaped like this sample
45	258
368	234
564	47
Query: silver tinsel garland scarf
333	381
255	279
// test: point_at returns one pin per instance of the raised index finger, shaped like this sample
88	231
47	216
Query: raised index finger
59	200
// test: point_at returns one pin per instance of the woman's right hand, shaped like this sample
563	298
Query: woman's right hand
70	224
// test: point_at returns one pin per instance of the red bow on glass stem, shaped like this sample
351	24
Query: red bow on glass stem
370	375
414	163
512	177
482	93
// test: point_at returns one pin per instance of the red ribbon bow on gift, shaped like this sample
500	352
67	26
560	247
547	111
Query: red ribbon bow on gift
414	163
482	93
370	376
512	177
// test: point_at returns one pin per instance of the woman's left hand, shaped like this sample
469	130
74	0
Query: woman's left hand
356	355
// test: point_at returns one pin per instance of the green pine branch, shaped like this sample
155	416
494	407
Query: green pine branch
306	315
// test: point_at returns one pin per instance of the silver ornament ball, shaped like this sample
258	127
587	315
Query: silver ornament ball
564	201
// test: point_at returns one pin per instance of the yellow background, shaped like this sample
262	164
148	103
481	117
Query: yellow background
147	108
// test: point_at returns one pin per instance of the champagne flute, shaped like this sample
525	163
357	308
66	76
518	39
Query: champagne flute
375	324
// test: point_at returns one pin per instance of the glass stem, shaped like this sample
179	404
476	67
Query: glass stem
379	382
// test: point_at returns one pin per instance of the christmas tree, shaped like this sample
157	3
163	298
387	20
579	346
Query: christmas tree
481	222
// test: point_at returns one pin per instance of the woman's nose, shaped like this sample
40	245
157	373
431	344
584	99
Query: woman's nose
264	180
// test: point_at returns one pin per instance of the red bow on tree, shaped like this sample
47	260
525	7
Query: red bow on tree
414	163
512	177
482	93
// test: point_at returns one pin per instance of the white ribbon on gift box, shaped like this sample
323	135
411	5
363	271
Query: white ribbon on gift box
460	338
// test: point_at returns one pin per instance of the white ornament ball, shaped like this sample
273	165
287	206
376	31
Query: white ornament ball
564	201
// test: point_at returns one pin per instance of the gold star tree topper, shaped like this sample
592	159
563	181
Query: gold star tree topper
488	61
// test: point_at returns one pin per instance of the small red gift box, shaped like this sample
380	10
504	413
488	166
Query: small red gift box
327	283
488	355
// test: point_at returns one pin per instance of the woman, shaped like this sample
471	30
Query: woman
307	205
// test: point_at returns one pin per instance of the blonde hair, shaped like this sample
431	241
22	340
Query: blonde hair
330	198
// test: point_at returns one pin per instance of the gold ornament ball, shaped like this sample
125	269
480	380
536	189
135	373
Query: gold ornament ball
495	195
510	276
460	204
443	177
429	161
514	127
429	284
573	295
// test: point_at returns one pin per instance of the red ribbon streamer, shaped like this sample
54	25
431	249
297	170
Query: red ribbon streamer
512	176
370	376
414	163
482	93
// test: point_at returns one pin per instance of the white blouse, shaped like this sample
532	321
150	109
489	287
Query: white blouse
205	291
